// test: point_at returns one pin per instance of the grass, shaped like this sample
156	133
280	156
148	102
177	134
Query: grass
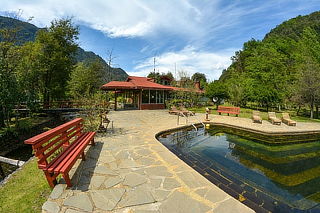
247	113
26	190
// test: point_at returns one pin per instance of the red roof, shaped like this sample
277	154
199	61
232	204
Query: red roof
134	82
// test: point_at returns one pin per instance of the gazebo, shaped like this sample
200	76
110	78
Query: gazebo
139	93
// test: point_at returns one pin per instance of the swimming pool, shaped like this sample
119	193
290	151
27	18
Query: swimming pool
265	173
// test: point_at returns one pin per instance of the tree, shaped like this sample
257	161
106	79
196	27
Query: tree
86	79
58	47
9	57
308	60
216	90
199	77
155	76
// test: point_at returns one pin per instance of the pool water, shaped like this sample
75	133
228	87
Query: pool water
264	176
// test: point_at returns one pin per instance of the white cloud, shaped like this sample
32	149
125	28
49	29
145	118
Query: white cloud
120	18
189	60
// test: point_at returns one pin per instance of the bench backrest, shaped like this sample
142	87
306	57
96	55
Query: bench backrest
272	115
48	145
229	109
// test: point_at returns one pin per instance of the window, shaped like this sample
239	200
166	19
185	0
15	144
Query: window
153	95
145	96
160	97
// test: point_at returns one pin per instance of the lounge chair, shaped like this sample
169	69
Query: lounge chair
185	111
273	118
256	117
174	111
287	120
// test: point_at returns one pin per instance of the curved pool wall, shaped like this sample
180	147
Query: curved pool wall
266	172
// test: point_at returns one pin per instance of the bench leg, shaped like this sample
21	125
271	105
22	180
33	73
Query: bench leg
67	179
92	142
83	156
51	180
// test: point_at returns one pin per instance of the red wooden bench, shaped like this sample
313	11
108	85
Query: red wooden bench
58	149
229	110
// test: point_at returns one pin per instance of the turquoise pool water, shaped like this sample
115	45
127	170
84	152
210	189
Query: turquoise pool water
264	176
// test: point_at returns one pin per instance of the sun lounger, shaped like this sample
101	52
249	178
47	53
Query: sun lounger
287	120
273	118
185	111
174	111
256	117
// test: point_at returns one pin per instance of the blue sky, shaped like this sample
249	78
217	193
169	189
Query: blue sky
196	35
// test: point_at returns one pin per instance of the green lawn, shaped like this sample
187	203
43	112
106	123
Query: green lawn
26	191
247	113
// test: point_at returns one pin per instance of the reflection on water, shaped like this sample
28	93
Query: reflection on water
271	177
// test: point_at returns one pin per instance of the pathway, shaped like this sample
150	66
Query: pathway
130	171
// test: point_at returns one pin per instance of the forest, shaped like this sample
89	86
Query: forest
281	71
38	66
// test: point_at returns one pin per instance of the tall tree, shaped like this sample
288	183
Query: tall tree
58	47
216	90
308	60
86	79
9	57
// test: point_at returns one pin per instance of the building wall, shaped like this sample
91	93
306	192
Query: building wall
152	106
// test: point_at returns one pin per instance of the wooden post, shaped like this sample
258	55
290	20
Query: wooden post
115	100
140	100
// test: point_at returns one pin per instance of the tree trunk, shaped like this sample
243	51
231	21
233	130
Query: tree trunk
311	110
299	108
317	111
2	124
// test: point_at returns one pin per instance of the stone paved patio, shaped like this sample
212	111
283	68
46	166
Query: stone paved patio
130	171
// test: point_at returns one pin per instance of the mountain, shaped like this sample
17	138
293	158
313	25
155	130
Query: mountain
27	32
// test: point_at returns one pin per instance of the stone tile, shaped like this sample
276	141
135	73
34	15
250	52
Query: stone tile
80	201
144	152
190	179
73	211
89	163
158	171
122	155
201	191
127	163
231	205
216	195
112	181
51	207
134	179
170	183
160	195
179	202
136	197
106	159
146	161
156	183
57	191
107	199
104	170
96	182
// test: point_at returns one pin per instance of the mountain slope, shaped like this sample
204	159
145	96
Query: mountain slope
27	32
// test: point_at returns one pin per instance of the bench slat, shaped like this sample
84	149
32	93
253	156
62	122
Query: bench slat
229	110
50	167
68	165
63	140
52	132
